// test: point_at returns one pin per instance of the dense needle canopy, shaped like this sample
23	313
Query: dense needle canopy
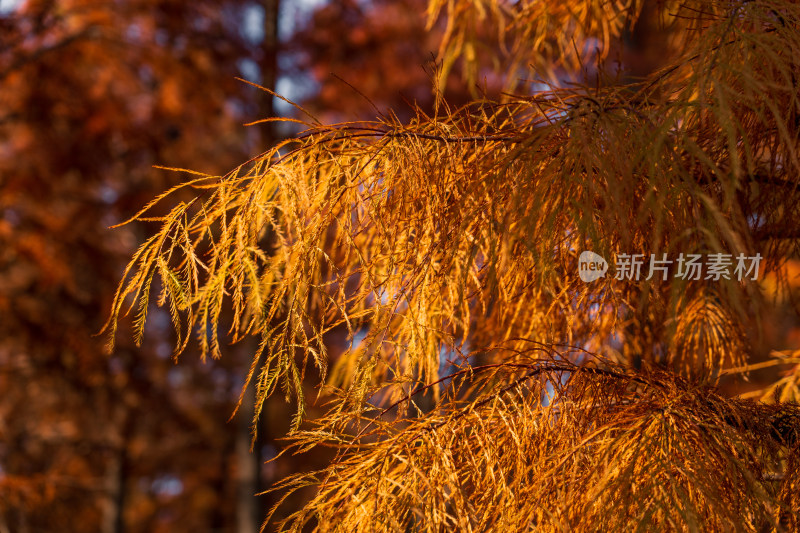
490	386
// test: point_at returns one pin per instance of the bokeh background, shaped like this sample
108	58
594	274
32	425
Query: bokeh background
93	95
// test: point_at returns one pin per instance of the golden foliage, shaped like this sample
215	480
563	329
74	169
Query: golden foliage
555	446
452	242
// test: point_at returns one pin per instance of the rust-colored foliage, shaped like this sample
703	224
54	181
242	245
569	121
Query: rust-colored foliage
491	387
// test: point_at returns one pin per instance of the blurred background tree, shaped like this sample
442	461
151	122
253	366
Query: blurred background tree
94	94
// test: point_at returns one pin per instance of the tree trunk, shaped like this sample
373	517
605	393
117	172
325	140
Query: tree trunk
247	468
116	480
